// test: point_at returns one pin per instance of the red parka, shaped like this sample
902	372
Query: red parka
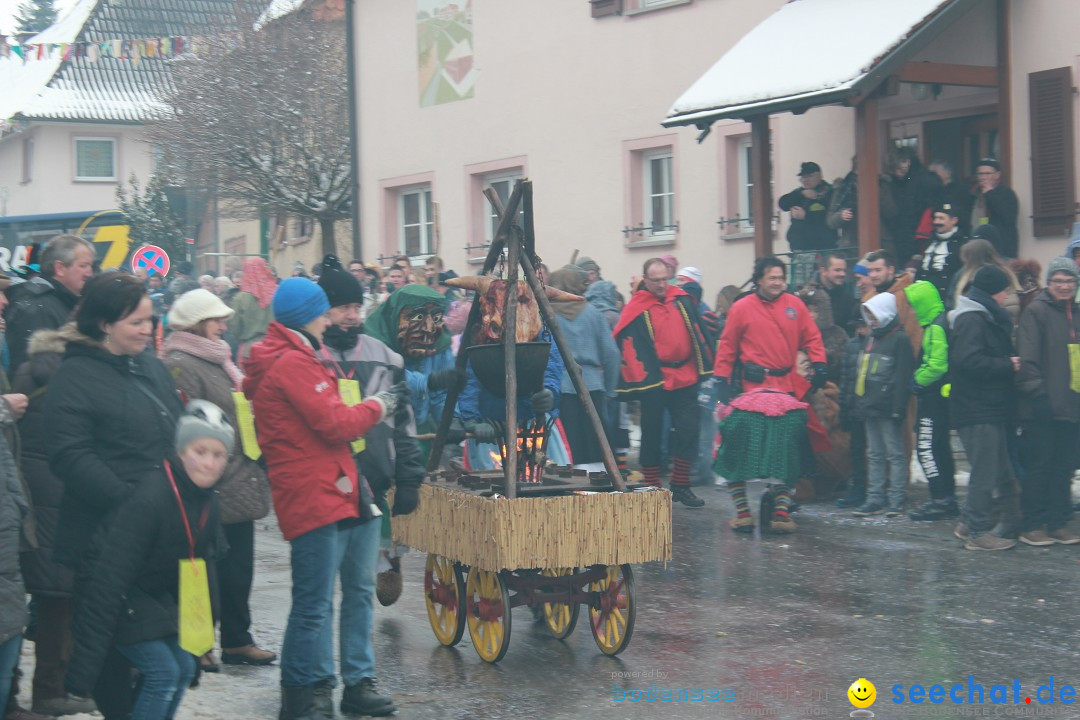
770	334
304	432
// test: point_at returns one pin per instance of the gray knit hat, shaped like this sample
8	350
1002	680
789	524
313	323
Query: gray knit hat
203	418
1061	265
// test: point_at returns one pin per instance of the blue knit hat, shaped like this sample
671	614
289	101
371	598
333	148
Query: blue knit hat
298	301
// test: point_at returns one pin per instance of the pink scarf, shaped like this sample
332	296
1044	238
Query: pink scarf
215	351
259	281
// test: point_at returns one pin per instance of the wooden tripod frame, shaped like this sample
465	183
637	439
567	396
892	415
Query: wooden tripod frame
521	251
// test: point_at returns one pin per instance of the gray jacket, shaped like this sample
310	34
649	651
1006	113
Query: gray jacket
594	349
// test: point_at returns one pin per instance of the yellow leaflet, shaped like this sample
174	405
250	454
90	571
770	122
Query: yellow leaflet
196	619
350	395
246	420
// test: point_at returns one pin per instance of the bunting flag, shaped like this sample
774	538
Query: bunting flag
133	50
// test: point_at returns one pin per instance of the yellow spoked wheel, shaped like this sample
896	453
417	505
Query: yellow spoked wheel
612	609
444	595
487	606
560	618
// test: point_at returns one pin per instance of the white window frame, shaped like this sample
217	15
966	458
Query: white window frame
492	221
75	158
746	185
643	6
649	192
426	223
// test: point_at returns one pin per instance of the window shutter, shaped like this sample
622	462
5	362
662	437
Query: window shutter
600	8
1052	162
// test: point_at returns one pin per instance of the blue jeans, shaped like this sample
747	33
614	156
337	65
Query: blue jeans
307	653
9	660
166	671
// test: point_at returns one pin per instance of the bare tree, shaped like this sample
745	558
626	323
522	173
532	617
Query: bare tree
261	116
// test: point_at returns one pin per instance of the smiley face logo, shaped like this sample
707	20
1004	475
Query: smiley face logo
862	693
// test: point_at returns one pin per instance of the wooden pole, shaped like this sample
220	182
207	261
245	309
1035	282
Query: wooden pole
1004	111
510	462
761	172
474	315
574	370
436	226
868	168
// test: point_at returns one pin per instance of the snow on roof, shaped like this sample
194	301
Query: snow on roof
107	89
806	48
23	82
276	9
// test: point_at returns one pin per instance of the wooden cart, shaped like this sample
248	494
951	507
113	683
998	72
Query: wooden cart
553	546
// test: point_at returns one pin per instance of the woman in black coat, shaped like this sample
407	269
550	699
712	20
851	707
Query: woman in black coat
110	419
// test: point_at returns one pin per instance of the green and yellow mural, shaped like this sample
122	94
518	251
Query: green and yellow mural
444	44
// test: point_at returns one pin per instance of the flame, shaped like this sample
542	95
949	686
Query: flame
496	458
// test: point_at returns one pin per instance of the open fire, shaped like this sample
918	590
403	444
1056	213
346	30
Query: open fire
532	443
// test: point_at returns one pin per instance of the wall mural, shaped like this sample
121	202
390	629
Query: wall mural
444	44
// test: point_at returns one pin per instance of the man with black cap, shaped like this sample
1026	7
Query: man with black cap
982	368
808	205
941	260
388	456
996	204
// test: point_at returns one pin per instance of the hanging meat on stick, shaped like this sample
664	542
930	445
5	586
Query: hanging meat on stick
491	293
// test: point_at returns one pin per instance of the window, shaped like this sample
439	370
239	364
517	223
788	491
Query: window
633	7
503	185
415	221
27	160
745	187
658	192
95	159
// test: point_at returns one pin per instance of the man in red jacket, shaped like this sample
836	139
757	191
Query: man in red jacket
764	332
664	357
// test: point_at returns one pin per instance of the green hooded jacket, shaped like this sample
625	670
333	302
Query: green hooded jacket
382	323
934	357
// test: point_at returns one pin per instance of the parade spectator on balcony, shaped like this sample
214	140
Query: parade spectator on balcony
996	204
915	192
808	205
954	193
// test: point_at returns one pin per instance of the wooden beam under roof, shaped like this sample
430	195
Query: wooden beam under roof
948	74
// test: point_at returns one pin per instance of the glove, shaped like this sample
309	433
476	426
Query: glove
443	379
821	375
916	388
543	401
456	433
390	399
723	391
1040	408
406	499
484	432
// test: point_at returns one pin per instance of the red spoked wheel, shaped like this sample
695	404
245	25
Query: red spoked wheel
444	595
612	608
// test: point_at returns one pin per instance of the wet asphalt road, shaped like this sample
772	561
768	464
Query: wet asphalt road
780	625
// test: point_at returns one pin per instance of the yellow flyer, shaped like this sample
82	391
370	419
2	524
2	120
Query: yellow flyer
350	395
196	618
246	420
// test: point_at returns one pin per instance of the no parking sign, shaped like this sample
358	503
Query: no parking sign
152	259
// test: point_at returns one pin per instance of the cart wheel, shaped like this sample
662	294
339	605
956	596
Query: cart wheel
488	613
612	611
560	618
444	594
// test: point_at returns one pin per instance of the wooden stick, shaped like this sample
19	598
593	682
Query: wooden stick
573	257
510	462
574	370
474	315
437	227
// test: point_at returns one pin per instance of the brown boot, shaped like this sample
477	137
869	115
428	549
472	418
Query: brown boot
743	524
784	526
247	655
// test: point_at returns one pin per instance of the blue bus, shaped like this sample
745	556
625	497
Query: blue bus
107	229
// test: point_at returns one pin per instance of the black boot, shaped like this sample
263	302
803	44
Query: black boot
683	494
362	699
324	700
297	703
935	510
856	495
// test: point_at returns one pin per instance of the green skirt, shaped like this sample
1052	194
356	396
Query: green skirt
756	446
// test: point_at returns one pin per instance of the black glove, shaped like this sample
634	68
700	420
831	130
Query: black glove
456	433
484	432
543	401
1040	408
821	374
406	498
916	388
443	379
723	391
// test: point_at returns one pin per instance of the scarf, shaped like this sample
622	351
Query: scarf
572	282
259	281
341	339
215	351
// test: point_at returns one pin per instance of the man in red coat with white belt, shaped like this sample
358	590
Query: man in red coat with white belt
664	357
